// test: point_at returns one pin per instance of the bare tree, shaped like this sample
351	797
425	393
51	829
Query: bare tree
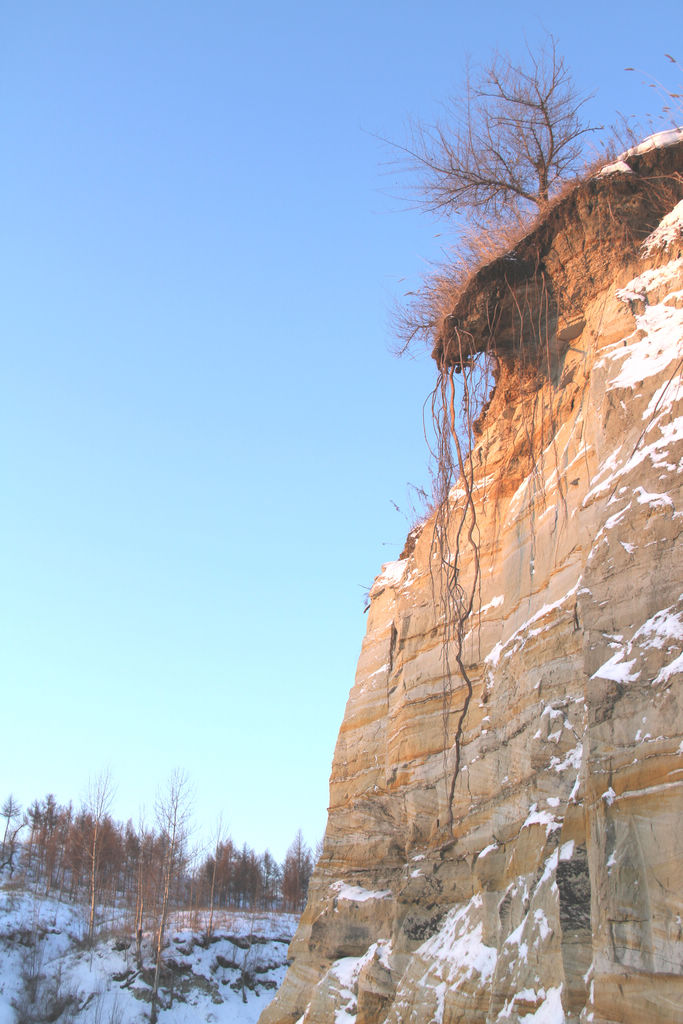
271	878
11	812
100	796
173	813
296	873
219	838
142	852
506	140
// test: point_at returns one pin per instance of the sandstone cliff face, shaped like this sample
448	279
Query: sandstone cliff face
555	894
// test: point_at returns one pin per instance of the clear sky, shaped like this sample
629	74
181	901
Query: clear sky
202	428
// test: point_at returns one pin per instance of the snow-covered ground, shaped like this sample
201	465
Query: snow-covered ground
47	973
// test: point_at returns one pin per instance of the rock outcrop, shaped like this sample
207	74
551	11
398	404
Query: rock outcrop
549	889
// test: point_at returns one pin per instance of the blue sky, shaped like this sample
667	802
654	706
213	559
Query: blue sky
202	428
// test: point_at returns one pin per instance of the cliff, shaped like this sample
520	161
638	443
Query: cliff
539	879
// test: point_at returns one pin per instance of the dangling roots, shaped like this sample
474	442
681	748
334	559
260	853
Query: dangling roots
456	529
456	598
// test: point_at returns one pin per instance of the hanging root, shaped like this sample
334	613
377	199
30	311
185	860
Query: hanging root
453	535
457	404
513	296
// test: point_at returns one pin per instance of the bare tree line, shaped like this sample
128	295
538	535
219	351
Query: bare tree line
142	871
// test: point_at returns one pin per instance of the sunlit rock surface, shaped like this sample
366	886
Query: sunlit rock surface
556	894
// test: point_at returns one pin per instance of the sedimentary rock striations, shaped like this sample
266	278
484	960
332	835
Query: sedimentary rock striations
549	890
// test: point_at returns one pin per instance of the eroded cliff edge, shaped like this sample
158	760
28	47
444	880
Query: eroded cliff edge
556	893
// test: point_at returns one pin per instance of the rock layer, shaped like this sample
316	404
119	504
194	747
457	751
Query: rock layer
550	889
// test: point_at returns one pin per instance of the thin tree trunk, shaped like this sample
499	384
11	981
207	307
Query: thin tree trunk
93	880
160	935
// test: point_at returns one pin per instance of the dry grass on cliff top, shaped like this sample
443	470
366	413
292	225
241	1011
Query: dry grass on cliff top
425	317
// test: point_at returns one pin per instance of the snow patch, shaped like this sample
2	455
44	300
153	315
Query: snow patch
356	894
460	945
571	760
550	1011
649	355
672	669
524	632
618	167
659	140
345	972
391	575
616	670
495	602
665	625
566	851
670	228
656	277
662	631
541	818
541	920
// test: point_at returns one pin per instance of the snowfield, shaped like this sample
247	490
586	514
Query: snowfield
47	972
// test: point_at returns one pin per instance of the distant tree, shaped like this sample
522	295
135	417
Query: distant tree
61	843
76	853
142	853
11	812
296	873
90	858
100	796
225	872
42	819
507	139
49	839
33	819
111	861
172	814
247	877
131	853
214	864
271	877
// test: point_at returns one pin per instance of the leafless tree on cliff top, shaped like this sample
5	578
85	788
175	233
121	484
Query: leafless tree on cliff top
506	140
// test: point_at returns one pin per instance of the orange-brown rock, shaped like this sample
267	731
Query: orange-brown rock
549	889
